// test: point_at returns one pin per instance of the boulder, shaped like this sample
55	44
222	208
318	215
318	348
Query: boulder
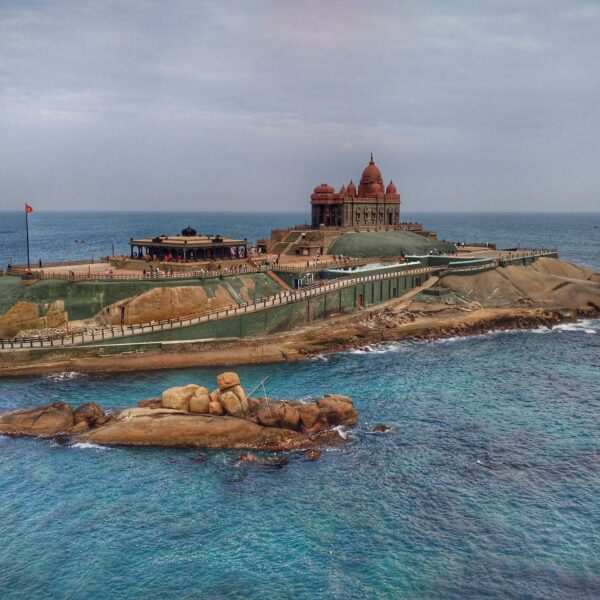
290	416
381	428
215	395
80	427
309	415
227	380
199	401
88	413
103	420
238	390
150	403
232	404
279	414
338	410
215	408
45	420
314	454
254	405
179	398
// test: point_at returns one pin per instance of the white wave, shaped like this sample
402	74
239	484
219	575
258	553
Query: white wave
90	446
66	376
344	431
321	357
584	326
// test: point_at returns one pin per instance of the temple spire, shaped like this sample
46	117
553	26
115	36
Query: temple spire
372	161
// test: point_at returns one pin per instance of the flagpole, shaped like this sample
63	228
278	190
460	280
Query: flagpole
27	231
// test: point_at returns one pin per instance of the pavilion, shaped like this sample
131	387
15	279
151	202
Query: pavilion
188	247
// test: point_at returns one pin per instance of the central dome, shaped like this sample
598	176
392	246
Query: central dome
371	181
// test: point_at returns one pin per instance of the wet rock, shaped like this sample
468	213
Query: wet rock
309	415
88	413
338	410
179	398
150	403
199	401
105	419
314	454
381	428
45	420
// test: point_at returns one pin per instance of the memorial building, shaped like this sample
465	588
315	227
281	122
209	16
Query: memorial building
371	206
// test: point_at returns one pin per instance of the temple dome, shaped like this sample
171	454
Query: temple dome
371	174
351	189
324	189
391	188
189	231
343	190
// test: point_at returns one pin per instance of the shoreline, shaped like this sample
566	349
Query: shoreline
327	337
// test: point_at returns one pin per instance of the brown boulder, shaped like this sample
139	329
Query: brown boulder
309	414
179	398
381	428
279	414
238	390
215	408
215	395
199	401
254	405
150	403
80	427
338	410
227	380
45	420
105	419
232	405
314	454
88	413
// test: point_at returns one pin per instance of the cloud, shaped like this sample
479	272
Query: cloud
451	90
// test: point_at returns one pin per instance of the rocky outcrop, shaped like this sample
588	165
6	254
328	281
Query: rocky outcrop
191	416
43	421
26	317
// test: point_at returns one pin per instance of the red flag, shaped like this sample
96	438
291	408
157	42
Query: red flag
28	208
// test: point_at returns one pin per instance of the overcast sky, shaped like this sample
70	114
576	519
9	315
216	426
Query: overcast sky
249	105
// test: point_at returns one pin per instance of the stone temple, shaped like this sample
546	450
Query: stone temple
371	206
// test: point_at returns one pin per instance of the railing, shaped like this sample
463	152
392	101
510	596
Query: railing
282	298
14	269
319	265
162	275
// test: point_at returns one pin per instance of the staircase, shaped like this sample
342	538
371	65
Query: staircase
407	298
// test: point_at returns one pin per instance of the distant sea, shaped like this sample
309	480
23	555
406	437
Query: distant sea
53	235
487	487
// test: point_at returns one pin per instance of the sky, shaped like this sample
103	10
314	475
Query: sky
227	105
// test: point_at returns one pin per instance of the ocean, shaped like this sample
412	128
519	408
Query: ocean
488	486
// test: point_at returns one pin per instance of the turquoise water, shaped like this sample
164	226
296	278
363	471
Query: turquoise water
488	486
